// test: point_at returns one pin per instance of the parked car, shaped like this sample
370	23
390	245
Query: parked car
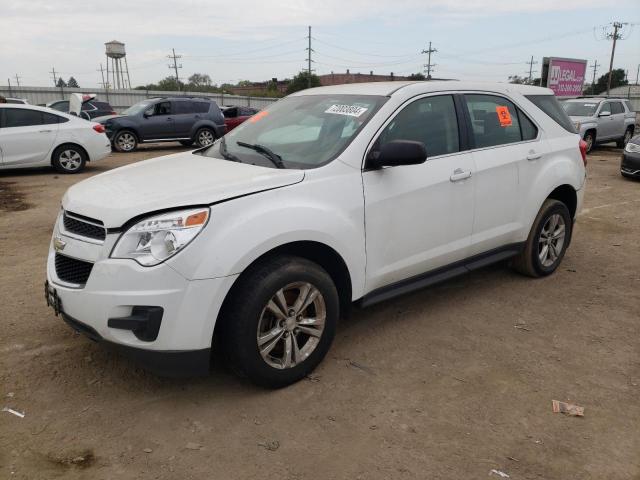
333	195
601	120
32	136
630	165
168	119
90	108
17	101
234	115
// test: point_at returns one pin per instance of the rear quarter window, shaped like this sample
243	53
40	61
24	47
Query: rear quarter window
201	107
549	104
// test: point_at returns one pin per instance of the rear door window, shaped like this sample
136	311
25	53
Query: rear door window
201	107
616	107
494	120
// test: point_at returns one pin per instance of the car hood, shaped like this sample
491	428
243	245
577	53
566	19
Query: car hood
103	118
174	181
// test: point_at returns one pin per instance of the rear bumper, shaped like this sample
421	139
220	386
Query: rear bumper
166	363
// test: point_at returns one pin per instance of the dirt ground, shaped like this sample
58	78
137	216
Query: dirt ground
447	383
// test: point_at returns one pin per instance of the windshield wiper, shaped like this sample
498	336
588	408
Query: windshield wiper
225	154
265	151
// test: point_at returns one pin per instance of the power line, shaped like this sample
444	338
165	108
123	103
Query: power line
429	66
175	65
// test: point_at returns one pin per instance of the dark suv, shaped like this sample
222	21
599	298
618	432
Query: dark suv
185	119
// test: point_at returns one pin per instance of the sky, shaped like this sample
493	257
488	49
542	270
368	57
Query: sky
483	40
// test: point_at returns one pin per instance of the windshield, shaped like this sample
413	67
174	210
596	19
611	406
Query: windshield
580	109
138	107
304	132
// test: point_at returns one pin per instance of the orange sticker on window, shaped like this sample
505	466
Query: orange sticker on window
504	116
258	116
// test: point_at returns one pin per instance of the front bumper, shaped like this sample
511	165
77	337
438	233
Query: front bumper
630	164
117	289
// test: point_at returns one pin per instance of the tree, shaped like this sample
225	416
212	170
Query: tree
416	76
199	81
617	80
72	83
301	81
524	80
61	83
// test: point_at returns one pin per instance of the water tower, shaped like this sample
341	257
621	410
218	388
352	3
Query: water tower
119	71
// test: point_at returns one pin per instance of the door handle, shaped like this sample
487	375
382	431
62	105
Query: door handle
459	174
534	156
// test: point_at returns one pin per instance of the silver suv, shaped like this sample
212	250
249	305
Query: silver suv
601	120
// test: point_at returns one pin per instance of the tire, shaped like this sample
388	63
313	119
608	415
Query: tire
254	310
69	159
624	140
125	141
186	143
205	137
590	138
532	260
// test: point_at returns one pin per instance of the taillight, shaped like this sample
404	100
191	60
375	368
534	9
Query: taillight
112	112
583	151
98	127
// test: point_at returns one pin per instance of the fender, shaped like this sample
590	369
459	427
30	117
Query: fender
236	234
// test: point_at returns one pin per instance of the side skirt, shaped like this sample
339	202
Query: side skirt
440	274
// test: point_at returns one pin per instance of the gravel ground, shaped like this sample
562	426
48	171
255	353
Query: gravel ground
447	383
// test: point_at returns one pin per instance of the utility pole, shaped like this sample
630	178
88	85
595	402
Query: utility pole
55	79
637	74
309	50
175	65
429	66
531	63
17	77
10	92
615	36
594	67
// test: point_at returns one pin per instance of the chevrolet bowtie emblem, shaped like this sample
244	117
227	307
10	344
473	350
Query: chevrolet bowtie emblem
58	244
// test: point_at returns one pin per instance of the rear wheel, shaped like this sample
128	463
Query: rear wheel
589	139
547	242
280	322
69	159
125	141
205	137
624	140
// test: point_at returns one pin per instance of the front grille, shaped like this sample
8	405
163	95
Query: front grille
72	270
83	228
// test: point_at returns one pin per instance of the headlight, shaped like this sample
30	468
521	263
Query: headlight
632	148
154	239
577	126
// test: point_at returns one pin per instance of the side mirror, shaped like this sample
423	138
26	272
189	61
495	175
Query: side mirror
606	113
146	114
399	152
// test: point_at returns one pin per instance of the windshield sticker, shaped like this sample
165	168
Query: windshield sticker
589	104
504	116
349	110
258	116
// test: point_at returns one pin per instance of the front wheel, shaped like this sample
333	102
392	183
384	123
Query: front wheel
547	242
205	137
589	139
280	321
125	141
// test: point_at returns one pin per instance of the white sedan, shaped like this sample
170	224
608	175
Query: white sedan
33	136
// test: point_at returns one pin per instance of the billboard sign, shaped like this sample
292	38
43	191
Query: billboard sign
565	76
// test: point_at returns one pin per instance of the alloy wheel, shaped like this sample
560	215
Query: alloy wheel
205	138
627	137
291	325
70	160
551	240
126	142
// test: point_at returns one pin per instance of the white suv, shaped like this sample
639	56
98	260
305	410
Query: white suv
335	195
